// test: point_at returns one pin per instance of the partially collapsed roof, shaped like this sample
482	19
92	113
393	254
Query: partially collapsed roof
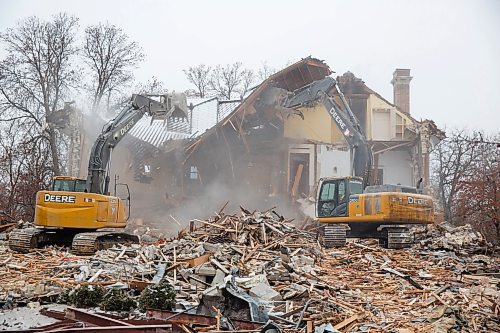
206	113
291	78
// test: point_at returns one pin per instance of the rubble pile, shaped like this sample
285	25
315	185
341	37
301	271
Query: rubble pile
256	267
447	237
7	224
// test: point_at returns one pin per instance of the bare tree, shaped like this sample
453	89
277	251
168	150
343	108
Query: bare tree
246	82
37	75
24	168
153	86
265	71
467	173
199	76
477	199
110	57
452	162
227	80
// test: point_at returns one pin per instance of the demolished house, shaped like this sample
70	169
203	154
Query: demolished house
249	152
271	154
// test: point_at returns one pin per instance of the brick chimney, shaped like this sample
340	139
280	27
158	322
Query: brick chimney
401	81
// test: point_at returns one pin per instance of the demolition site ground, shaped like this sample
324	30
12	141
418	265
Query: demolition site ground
256	272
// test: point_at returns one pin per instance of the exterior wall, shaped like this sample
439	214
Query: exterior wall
387	123
324	161
387	131
317	125
332	162
397	167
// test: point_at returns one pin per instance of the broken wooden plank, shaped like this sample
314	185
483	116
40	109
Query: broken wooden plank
296	180
347	321
219	266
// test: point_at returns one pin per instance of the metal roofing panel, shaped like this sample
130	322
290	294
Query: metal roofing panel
205	114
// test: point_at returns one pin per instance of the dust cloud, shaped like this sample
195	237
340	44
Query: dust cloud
168	204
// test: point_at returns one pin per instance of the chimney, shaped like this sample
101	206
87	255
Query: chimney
401	81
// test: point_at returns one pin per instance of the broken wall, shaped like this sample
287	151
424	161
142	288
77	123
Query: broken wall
317	125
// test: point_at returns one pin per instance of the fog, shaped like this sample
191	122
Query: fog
452	46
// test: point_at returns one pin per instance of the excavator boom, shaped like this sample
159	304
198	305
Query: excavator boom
75	211
317	93
350	206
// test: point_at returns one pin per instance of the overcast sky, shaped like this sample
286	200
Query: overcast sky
451	46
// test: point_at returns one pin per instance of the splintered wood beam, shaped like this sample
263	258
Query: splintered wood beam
232	125
192	148
296	181
302	75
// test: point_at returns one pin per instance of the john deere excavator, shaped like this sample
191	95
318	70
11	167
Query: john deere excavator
82	212
351	206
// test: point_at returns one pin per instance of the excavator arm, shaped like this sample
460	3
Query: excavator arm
345	120
116	129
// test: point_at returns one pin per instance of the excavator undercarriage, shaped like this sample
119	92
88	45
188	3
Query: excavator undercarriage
389	236
82	242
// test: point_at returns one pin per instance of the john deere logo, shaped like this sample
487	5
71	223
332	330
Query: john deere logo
59	198
412	200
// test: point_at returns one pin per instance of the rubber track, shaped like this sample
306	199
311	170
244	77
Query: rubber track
334	236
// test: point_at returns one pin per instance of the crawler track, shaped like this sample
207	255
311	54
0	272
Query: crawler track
335	236
84	243
87	243
23	240
398	238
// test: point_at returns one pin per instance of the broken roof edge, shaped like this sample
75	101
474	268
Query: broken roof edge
271	80
274	78
434	129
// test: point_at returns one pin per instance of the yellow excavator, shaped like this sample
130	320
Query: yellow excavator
82	213
351	207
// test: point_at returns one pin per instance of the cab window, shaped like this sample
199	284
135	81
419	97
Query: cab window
356	187
341	191
64	185
327	198
327	191
80	185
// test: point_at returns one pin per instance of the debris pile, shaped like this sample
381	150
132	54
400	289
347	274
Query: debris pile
7	224
256	267
448	237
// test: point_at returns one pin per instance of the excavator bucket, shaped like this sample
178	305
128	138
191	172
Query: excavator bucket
177	103
273	100
169	105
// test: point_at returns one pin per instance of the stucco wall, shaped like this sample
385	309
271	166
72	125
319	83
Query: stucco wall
397	167
317	125
388	130
382	125
332	162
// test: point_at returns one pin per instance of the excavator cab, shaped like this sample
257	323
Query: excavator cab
69	184
334	195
